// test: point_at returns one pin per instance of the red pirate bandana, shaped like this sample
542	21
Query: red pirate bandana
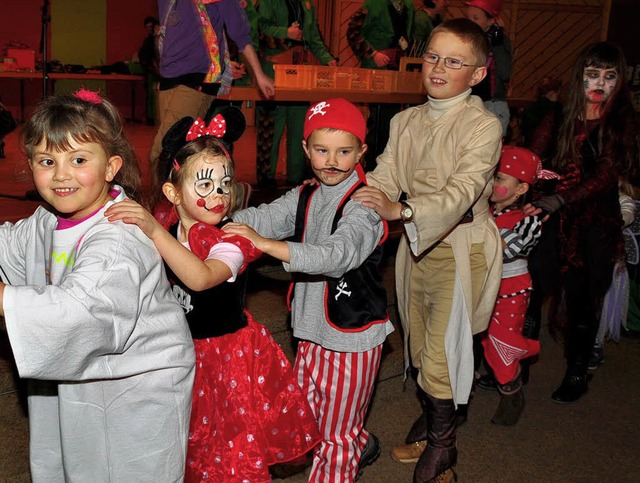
523	165
216	128
335	113
492	7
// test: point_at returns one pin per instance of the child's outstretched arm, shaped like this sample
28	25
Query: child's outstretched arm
275	248
196	274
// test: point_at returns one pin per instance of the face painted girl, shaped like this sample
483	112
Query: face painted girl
599	84
204	194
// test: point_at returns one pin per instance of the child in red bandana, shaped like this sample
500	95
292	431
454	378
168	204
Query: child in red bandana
504	345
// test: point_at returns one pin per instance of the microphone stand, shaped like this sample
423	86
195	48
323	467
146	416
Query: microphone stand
46	18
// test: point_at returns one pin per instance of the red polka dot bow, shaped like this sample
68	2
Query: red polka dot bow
216	128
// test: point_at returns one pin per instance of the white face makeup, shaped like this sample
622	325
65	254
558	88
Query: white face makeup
206	193
599	84
214	178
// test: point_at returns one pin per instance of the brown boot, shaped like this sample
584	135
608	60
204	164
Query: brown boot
441	453
447	476
408	453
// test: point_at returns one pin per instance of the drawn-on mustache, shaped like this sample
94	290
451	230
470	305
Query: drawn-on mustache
336	169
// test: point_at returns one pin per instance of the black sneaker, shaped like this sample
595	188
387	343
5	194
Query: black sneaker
597	357
370	453
571	389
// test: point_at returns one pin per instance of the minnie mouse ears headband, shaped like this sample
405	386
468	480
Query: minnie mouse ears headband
227	126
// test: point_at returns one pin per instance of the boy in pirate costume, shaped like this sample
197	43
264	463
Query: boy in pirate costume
288	30
339	305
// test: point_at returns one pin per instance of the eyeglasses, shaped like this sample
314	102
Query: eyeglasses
449	62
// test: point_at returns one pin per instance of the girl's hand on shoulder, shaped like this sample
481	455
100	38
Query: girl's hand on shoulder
132	213
374	198
240	229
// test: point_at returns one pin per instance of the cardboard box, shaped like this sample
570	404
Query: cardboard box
25	58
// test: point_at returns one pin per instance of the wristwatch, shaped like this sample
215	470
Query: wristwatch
406	212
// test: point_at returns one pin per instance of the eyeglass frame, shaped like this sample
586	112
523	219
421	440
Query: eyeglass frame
445	59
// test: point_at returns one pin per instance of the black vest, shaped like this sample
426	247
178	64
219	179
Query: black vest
213	312
358	299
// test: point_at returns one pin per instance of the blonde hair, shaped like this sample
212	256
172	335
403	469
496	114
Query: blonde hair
470	33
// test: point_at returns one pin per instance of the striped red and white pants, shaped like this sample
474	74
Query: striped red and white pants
339	386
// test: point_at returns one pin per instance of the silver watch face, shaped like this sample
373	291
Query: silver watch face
407	212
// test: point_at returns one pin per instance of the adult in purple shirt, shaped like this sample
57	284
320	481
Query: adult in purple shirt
192	60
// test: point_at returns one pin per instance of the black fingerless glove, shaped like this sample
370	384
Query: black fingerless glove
549	204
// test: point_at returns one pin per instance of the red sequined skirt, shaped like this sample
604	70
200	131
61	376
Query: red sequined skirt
248	411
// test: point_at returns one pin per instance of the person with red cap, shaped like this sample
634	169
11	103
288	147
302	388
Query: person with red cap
338	311
494	88
504	343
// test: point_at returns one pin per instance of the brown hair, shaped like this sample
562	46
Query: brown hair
58	119
203	146
470	33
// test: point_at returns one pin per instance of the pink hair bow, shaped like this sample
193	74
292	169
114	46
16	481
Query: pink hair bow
216	128
88	96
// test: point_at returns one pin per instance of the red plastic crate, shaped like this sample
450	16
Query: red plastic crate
409	82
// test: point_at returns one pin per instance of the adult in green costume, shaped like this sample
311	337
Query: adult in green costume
427	17
288	32
379	33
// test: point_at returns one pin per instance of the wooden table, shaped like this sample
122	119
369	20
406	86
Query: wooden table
236	94
53	76
314	95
